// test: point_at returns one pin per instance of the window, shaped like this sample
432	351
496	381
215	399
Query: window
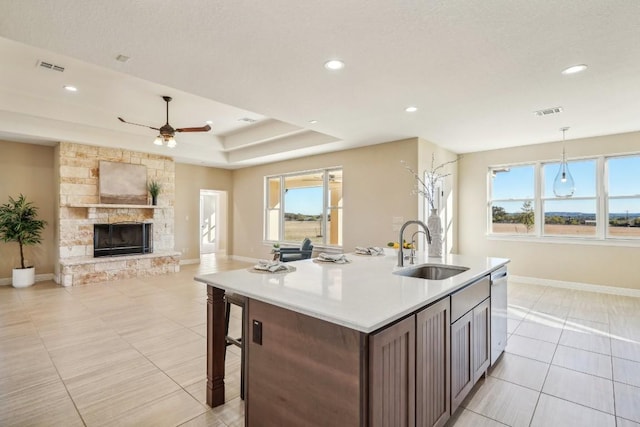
512	203
605	205
623	204
306	204
576	215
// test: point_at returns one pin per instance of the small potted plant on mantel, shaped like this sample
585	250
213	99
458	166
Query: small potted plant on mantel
154	188
19	223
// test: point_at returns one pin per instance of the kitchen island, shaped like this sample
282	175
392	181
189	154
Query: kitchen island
315	338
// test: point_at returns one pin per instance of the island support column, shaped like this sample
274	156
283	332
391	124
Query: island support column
215	346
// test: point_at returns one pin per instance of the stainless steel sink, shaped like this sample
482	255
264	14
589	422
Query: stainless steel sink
431	271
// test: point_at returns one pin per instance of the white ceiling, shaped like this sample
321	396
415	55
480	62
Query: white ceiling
476	70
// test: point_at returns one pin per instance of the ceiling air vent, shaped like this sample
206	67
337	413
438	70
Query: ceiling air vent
548	111
50	66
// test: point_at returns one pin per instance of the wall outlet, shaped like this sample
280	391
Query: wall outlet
257	332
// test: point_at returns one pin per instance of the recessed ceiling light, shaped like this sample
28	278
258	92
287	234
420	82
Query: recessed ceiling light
70	88
411	109
334	64
574	69
209	122
313	122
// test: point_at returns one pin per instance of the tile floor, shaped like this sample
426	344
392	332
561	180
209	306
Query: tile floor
132	352
126	353
572	359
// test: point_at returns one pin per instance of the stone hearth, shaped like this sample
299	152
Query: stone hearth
83	270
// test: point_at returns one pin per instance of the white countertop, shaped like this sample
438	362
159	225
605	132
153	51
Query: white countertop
363	295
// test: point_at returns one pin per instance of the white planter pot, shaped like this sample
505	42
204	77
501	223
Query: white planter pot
23	277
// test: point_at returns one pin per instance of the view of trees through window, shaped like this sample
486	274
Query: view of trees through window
512	204
303	205
516	205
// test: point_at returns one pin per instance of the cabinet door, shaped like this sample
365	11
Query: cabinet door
432	364
481	339
461	359
392	375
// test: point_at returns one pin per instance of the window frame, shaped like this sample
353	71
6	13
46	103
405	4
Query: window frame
535	199
596	198
602	235
607	198
326	206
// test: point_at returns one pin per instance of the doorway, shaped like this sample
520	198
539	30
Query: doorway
209	221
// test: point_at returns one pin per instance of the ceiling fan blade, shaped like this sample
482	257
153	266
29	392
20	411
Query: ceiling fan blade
136	124
205	128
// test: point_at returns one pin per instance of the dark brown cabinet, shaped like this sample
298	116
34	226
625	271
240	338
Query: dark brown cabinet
409	370
415	372
461	363
470	338
481	339
392	375
432	364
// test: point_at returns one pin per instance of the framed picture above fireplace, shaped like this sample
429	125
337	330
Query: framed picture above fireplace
123	183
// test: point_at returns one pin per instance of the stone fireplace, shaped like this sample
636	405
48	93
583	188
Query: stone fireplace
124	238
80	212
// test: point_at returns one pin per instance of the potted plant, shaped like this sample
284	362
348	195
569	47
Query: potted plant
19	223
154	188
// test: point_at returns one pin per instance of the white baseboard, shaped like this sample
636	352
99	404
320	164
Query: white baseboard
588	287
39	278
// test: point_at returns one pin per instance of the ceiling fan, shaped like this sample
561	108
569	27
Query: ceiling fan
167	132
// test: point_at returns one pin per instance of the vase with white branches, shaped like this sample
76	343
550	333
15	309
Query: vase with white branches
428	188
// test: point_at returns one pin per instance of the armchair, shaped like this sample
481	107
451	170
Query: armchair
295	254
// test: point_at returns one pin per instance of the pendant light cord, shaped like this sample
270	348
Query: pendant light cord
564	156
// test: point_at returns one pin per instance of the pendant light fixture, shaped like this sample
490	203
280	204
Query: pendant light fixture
563	185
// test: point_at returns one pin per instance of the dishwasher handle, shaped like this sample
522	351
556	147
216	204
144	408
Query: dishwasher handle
499	274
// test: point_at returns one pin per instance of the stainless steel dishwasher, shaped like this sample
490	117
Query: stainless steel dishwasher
498	312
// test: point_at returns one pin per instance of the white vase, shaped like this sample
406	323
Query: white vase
23	277
435	229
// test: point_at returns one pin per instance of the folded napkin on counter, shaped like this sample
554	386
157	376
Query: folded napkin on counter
336	258
272	266
371	250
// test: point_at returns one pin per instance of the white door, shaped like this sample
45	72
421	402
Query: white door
209	233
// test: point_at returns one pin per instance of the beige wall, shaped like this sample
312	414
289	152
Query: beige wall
376	189
29	169
590	263
190	180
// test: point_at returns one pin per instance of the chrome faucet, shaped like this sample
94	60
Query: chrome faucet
412	253
401	238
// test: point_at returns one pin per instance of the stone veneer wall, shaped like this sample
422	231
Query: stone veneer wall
80	209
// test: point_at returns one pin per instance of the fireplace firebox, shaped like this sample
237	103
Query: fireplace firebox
122	238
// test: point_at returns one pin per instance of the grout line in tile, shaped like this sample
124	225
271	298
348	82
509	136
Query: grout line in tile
576	403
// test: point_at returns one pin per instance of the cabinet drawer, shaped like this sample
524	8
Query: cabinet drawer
467	298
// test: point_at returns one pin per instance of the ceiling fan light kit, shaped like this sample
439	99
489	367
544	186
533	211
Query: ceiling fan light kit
167	132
